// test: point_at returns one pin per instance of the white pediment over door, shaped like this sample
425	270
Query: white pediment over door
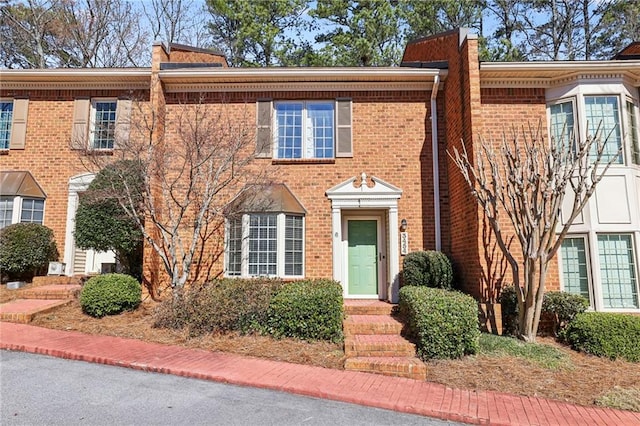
364	191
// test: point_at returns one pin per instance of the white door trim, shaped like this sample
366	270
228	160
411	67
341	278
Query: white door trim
381	284
352	195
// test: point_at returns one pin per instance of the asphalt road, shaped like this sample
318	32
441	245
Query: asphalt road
41	390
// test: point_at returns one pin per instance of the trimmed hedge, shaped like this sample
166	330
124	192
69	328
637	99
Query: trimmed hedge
219	306
309	309
605	334
428	268
561	306
443	323
25	250
110	294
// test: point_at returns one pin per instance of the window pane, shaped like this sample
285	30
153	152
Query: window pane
234	247
603	114
293	245
321	126
561	116
618	271
6	211
104	125
575	278
633	132
32	210
6	115
263	245
289	123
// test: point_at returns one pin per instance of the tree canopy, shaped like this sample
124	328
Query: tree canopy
95	33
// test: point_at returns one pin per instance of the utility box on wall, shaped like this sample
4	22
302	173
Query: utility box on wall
56	268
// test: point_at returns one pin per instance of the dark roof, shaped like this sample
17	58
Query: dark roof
182	65
195	49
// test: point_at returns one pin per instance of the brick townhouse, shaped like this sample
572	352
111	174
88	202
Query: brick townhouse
360	157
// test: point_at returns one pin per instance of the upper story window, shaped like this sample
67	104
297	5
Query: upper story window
98	124
6	117
103	124
298	130
304	130
13	123
615	119
633	130
603	113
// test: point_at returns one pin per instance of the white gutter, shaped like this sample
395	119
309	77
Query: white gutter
436	169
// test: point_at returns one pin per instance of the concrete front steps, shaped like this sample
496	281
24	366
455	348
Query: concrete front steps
43	295
373	341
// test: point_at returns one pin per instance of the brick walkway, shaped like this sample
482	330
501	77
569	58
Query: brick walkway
399	394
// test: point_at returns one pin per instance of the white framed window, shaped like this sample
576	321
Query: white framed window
618	271
20	209
562	122
103	123
632	131
575	267
304	129
6	211
602	113
6	117
265	244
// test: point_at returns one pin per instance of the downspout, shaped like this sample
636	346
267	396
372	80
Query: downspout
436	168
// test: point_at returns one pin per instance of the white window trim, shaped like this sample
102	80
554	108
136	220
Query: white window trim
627	137
280	246
577	129
305	136
582	113
8	100
16	214
590	280
92	122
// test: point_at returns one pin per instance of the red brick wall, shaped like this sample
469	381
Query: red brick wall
505	110
460	97
47	154
389	142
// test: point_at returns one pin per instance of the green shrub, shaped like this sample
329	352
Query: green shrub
110	294
443	323
605	335
219	306
309	309
25	250
429	269
563	307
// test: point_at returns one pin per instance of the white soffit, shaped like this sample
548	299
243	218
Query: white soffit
550	74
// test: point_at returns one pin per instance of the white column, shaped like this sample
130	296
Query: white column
69	240
336	238
394	257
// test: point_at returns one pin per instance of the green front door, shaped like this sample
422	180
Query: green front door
363	257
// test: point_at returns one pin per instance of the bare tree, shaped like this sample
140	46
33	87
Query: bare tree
527	179
188	179
178	21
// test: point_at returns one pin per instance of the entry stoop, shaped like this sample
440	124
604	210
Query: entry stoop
373	342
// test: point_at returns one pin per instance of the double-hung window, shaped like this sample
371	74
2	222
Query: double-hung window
21	210
304	130
603	115
265	244
614	263
103	124
632	131
562	123
6	117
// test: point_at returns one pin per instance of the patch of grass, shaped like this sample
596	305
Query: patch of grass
542	355
621	399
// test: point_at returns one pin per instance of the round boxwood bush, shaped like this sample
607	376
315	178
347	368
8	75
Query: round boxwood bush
25	250
110	294
429	269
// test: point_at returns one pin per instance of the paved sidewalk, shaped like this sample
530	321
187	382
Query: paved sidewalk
405	395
